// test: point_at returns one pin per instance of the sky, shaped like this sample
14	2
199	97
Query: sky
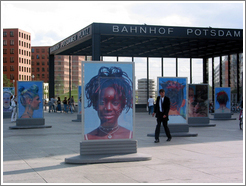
52	21
49	22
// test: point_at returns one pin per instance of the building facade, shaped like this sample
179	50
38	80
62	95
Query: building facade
17	55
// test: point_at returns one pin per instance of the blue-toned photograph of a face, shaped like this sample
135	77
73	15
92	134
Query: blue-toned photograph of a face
30	99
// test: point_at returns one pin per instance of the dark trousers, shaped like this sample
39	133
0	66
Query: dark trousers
158	127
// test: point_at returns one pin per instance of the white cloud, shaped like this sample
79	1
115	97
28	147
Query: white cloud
52	21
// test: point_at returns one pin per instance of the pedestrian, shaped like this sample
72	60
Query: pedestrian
50	104
150	104
72	104
65	104
59	104
53	101
13	105
161	110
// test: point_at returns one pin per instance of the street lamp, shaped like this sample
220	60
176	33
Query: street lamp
33	77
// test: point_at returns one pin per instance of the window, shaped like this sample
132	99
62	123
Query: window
19	34
24	36
33	50
43	56
43	70
43	63
24	44
37	69
19	43
11	51
4	68
48	63
32	56
32	69
4	34
19	51
24	69
12	76
12	59
12	68
5	51
11	34
5	60
42	75
4	42
37	56
12	42
43	51
32	63
37	63
20	68
37	50
19	59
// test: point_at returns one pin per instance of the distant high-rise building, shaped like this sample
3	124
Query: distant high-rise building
17	55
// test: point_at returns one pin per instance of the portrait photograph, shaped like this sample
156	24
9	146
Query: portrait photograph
7	93
30	99
198	100
222	99
176	89
107	100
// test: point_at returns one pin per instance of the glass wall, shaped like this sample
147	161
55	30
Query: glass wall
233	78
217	72
197	71
169	67
140	79
184	68
224	72
154	72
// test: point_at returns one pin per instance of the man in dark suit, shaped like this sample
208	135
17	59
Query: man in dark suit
161	110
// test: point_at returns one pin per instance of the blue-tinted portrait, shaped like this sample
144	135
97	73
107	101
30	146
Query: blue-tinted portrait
108	101
175	88
222	100
30	103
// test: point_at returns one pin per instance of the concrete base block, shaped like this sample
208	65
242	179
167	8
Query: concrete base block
200	122
78	118
222	116
30	127
109	151
7	114
29	123
100	158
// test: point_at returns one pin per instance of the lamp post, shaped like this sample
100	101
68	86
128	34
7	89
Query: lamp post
14	83
33	77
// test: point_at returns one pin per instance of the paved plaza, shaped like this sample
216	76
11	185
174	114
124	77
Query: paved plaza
215	155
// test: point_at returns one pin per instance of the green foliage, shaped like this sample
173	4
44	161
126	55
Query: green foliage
6	81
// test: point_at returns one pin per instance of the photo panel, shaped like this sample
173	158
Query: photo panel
7	93
198	100
30	99
107	102
222	99
176	89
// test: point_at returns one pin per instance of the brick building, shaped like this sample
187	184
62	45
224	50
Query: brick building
17	55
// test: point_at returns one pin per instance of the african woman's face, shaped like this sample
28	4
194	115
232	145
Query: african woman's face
35	103
6	100
109	108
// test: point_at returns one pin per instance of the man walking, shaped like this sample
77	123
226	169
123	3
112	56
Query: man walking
161	110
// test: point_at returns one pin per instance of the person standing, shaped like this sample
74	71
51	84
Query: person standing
161	110
13	105
65	105
151	104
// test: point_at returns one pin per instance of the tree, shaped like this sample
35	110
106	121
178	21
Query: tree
6	81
